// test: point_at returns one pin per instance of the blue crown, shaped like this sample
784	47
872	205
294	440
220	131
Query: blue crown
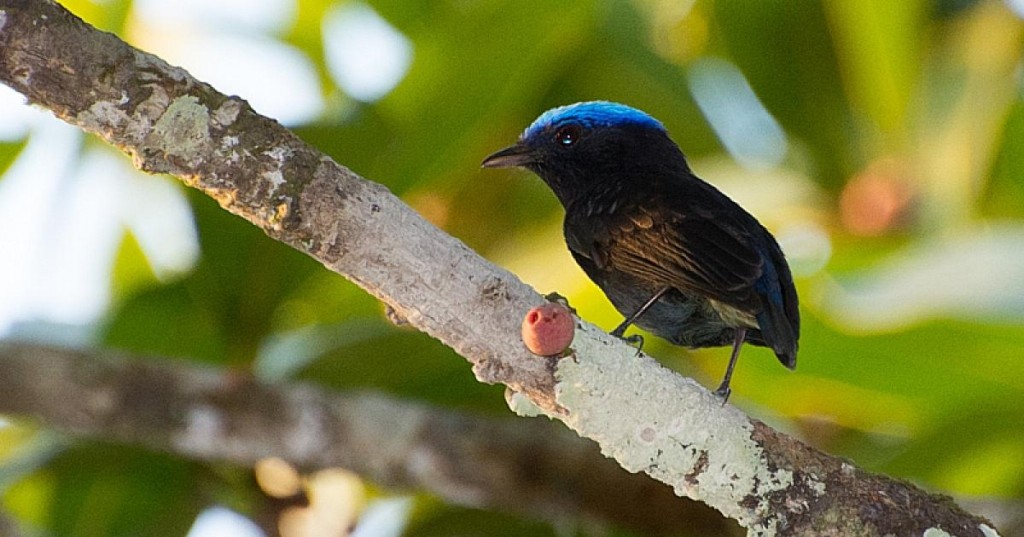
592	114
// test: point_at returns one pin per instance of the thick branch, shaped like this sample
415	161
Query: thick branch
531	467
643	415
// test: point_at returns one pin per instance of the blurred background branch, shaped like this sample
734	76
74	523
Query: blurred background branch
532	467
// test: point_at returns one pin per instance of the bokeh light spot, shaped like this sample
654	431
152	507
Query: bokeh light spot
366	56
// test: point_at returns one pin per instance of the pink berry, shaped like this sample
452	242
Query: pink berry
548	329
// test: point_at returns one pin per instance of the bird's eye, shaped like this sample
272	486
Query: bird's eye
568	135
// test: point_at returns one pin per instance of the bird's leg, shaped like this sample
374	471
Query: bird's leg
636	338
724	390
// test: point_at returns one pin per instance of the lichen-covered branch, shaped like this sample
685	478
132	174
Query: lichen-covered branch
527	466
646	417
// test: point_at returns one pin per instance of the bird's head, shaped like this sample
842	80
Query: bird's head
579	146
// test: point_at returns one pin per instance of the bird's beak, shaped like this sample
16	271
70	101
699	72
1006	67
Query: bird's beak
510	157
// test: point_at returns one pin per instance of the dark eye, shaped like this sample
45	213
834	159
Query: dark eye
568	135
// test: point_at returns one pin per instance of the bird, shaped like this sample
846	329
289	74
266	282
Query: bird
673	254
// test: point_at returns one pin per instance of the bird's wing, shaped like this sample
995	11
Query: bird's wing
707	253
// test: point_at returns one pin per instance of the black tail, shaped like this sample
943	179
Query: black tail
780	333
779	319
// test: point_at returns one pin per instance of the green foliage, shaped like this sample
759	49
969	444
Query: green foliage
8	153
917	102
107	491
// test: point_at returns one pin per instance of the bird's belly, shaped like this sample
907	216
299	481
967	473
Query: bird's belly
732	316
683	320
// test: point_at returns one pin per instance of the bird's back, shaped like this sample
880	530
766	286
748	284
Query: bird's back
727	271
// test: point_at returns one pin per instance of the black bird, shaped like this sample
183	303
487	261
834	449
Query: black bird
673	254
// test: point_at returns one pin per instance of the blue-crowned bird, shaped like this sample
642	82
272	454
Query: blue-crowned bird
674	255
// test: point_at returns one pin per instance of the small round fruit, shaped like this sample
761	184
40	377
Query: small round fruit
548	330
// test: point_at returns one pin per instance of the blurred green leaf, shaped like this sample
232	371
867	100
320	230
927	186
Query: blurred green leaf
787	52
407	363
1004	194
879	45
131	272
285	354
167	321
108	491
109	15
9	151
222	310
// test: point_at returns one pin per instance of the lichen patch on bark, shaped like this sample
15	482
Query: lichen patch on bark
652	420
226	114
183	131
988	531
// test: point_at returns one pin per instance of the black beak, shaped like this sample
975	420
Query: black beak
510	157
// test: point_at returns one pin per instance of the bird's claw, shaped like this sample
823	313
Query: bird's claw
636	339
724	391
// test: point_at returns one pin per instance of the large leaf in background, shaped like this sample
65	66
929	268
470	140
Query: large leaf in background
406	363
465	83
879	48
223	310
786	52
8	153
108	491
990	464
168	321
940	324
285	354
1004	194
109	16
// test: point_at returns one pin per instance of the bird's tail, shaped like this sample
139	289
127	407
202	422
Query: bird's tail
779	319
778	333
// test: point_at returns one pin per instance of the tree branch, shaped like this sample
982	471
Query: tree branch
530	467
646	417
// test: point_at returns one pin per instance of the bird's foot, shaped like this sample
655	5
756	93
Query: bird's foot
724	391
636	339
